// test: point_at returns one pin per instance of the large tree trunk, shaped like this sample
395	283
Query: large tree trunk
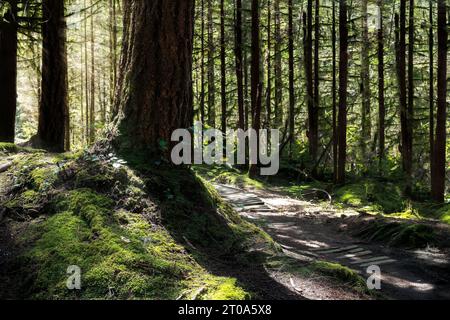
239	64
8	73
343	80
155	81
438	177
53	106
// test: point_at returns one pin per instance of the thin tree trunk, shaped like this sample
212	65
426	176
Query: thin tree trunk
365	84
155	82
404	114
438	178
255	77
223	78
211	76
53	106
431	88
86	68
269	66
93	81
343	79
314	122
310	99
239	64
278	110
334	96
202	93
410	111
8	73
291	78
381	97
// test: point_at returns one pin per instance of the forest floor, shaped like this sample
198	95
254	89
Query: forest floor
141	231
303	228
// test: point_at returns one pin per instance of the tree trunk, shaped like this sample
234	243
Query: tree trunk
365	84
202	93
343	80
314	122
8	74
431	87
239	64
278	109
334	96
255	77
53	106
291	78
223	78
404	115
211	75
155	80
381	98
410	111
93	81
438	178
308	27
269	66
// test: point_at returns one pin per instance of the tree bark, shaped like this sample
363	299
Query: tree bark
334	96
223	78
211	63
314	122
291	78
365	84
8	73
310	100
343	80
278	108
239	64
438	177
381	97
155	78
53	106
404	114
256	85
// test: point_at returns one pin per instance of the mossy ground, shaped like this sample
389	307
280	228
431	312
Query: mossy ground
134	234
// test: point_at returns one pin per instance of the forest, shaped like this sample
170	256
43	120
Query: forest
349	99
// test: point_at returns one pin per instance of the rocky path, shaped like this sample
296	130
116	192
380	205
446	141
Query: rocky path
307	229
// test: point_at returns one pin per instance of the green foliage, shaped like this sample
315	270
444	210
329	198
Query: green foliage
341	273
372	195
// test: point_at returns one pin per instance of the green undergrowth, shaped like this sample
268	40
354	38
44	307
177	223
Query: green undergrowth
136	230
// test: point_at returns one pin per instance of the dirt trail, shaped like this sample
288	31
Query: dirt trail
306	229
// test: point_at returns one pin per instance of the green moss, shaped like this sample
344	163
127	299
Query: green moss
121	255
372	195
226	289
341	273
8	147
444	213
